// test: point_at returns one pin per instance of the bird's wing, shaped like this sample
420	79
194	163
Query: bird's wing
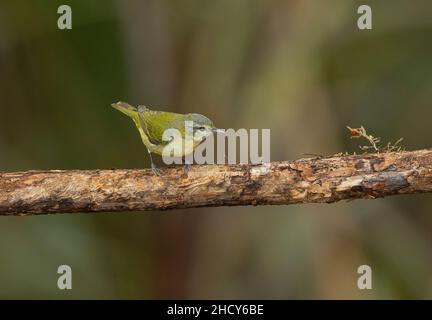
155	123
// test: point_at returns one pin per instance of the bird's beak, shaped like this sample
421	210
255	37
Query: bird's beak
216	130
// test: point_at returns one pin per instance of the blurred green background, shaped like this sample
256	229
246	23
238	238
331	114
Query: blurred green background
301	68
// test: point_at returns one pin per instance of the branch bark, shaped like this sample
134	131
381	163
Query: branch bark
310	180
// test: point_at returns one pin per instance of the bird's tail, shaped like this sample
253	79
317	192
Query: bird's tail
126	108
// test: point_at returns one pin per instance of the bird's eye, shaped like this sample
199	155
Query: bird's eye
201	128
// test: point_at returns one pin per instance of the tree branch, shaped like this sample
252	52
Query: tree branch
310	180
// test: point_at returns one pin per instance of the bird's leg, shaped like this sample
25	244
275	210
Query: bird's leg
155	169
187	166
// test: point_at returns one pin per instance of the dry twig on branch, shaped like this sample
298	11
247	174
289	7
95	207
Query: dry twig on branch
310	180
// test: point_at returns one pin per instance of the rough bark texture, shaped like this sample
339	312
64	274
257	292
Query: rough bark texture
302	181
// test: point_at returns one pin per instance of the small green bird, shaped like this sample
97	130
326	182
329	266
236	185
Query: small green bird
152	125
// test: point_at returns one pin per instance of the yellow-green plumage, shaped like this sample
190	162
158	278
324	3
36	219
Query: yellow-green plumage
152	125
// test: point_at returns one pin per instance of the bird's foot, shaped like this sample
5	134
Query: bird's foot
155	169
187	168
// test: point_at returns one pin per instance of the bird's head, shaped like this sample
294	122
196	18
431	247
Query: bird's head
202	127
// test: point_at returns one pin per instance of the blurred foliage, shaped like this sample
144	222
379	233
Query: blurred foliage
301	68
